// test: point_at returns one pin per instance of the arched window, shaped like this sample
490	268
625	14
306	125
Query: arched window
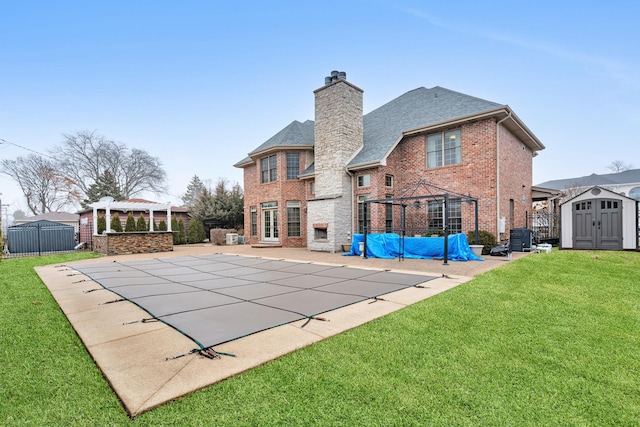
635	193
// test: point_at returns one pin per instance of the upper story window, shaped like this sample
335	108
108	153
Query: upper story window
364	180
388	180
312	187
293	165
443	149
268	169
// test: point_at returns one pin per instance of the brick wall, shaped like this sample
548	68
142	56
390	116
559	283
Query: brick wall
474	176
280	191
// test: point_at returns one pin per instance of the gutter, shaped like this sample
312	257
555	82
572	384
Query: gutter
498	174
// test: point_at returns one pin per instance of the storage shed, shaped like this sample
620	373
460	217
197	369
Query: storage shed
40	236
599	219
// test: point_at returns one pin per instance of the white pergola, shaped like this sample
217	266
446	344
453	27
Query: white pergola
107	204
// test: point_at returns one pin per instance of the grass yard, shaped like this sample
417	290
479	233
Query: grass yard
550	339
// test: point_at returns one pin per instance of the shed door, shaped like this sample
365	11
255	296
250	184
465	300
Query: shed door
609	225
597	224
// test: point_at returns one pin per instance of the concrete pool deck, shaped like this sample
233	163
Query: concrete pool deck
132	355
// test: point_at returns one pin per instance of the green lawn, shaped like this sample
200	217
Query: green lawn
551	339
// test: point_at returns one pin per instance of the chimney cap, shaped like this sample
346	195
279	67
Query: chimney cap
335	76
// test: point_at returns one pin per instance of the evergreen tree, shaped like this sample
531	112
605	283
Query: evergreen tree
174	229
116	225
196	231
141	225
105	185
102	224
131	223
194	192
162	226
182	236
155	225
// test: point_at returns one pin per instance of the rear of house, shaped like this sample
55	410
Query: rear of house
305	186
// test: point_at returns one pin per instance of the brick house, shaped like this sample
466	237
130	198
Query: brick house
304	187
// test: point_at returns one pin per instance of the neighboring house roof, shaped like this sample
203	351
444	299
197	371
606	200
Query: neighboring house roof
50	216
631	176
415	111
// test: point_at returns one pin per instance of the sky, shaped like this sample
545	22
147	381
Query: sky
199	84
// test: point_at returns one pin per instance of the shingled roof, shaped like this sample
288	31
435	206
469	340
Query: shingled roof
414	111
631	176
294	135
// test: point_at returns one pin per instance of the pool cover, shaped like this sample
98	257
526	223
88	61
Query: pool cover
217	298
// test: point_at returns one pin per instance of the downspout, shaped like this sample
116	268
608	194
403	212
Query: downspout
353	194
498	173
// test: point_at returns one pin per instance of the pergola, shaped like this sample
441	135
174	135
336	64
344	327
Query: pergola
107	204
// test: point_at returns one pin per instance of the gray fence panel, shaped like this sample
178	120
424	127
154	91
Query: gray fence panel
41	236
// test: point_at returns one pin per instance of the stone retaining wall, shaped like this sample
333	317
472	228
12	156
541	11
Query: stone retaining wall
133	243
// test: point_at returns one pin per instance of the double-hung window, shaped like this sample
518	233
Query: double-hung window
293	165
254	220
443	149
436	216
293	219
364	180
268	169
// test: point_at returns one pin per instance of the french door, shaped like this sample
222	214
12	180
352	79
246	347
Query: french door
270	225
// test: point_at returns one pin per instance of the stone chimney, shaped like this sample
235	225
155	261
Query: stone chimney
338	137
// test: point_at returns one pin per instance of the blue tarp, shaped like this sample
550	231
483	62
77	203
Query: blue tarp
387	245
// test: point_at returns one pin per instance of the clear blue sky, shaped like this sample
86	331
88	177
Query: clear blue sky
199	84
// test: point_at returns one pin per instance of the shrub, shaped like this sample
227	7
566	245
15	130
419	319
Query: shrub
182	235
141	225
196	231
116	225
218	236
485	238
102	224
131	223
434	231
162	226
174	229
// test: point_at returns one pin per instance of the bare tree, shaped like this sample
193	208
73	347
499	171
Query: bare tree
44	187
86	156
572	189
619	166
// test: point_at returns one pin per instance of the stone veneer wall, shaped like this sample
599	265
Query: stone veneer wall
338	136
133	243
